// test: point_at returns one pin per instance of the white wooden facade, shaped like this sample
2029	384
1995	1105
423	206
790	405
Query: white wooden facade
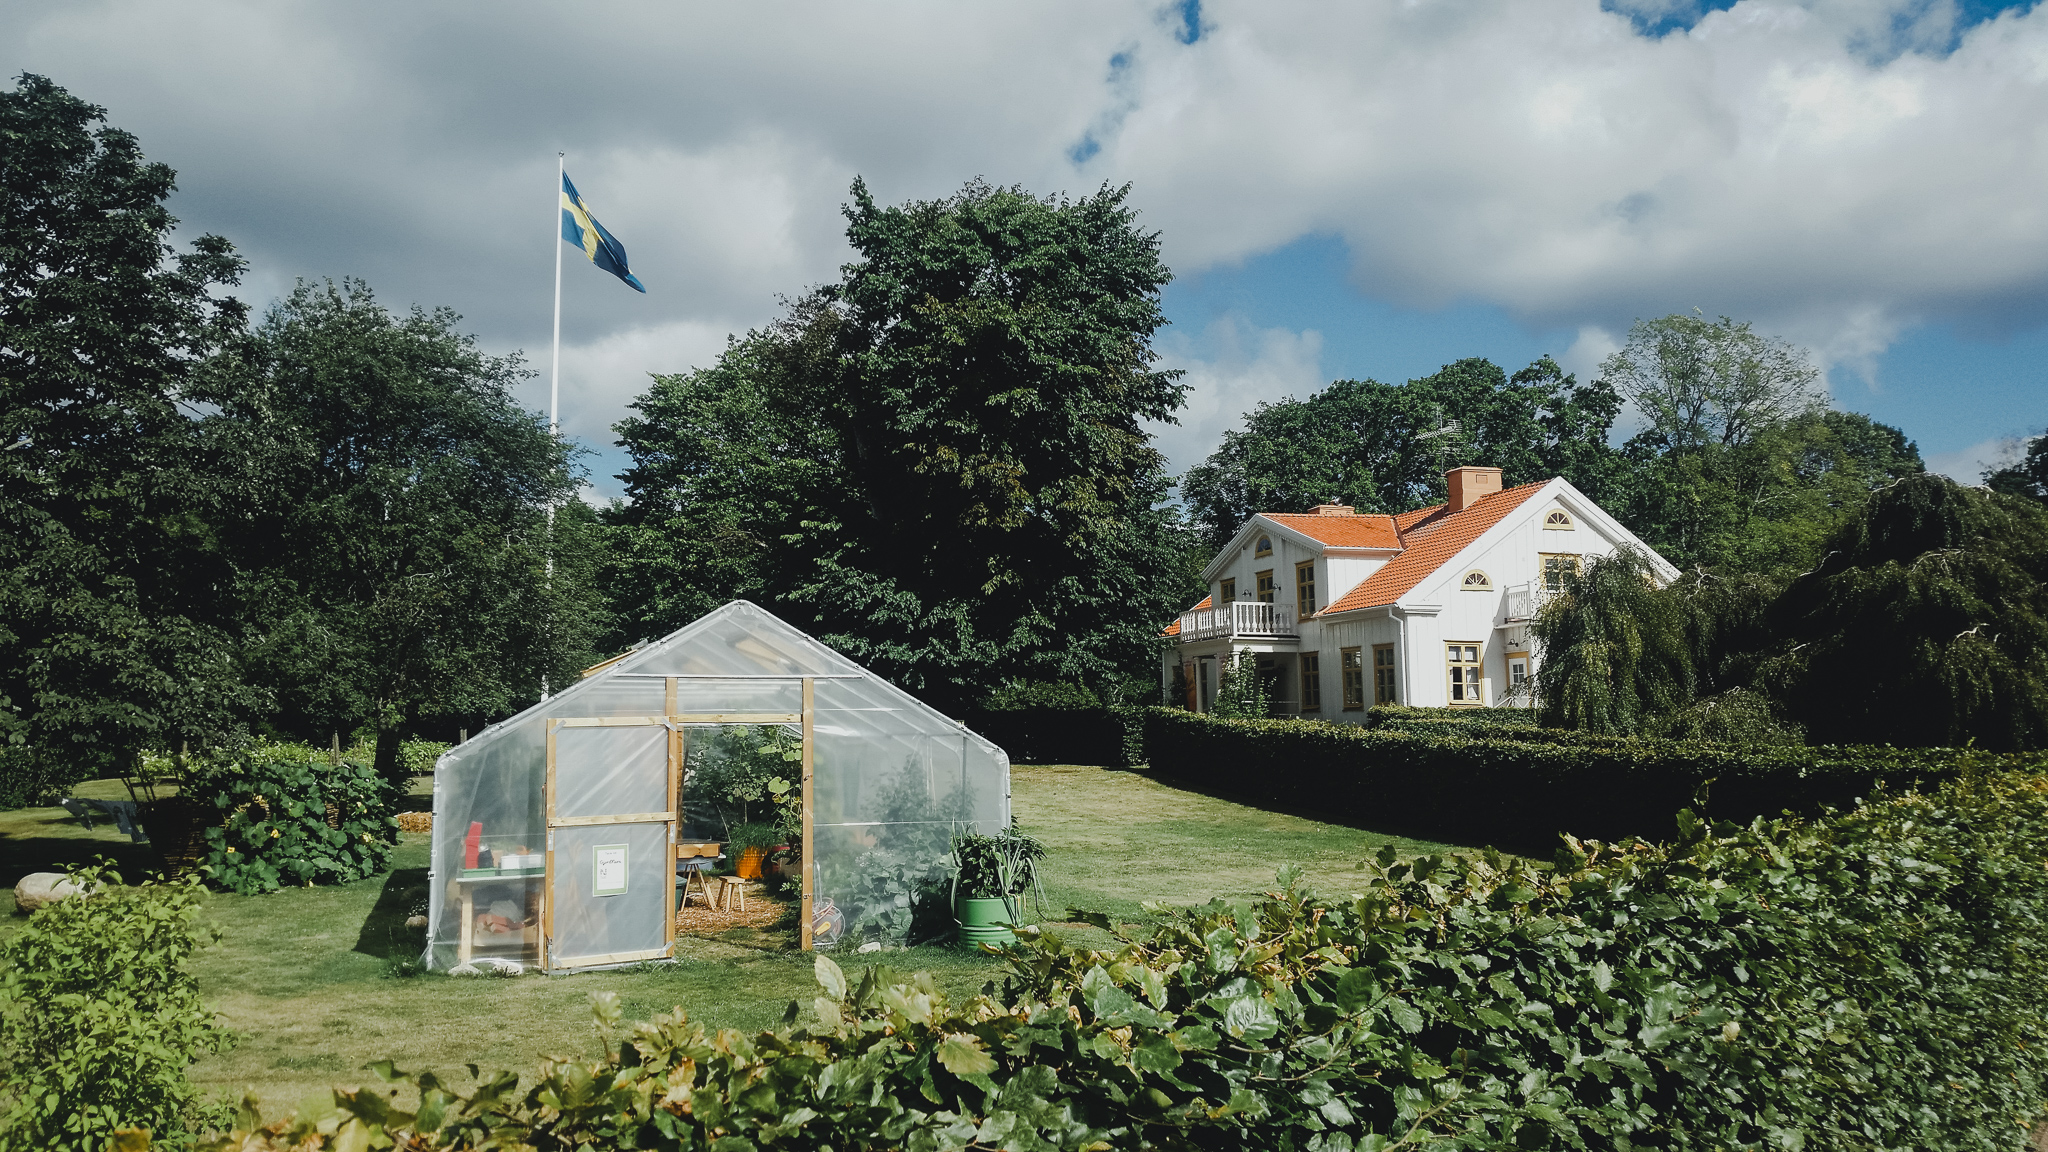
1447	623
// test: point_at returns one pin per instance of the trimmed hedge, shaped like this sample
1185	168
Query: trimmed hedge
1520	787
1758	987
1111	737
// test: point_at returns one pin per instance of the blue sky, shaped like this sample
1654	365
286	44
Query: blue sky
1953	394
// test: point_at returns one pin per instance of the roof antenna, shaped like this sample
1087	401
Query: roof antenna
1443	427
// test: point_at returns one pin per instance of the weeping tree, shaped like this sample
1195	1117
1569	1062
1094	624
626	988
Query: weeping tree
1617	650
1926	623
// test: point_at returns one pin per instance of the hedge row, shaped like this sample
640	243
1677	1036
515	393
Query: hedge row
1110	737
1744	988
1519	787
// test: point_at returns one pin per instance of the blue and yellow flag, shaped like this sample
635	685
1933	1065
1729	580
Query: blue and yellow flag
580	228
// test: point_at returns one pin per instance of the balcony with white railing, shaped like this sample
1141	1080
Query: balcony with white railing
1239	618
1526	600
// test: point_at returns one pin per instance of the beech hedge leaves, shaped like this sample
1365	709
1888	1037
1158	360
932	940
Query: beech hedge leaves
1872	980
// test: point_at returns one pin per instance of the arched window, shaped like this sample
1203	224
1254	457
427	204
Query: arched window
1558	519
1264	547
1476	581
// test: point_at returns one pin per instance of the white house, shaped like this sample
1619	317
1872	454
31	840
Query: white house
1345	610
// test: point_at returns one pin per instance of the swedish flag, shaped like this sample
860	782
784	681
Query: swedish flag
580	228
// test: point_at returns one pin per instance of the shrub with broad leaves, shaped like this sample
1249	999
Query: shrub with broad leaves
285	814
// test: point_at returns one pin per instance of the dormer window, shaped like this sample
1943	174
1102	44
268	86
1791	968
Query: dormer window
1477	581
1264	547
1557	519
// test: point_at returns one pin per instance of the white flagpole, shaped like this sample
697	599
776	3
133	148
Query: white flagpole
555	366
555	373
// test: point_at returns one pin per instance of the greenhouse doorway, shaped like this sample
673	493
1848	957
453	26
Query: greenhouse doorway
613	800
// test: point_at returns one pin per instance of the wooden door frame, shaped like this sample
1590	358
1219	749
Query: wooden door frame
678	743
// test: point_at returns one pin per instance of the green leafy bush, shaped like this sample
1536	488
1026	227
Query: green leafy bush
99	1018
416	757
1404	716
1518	787
1240	690
284	814
1024	694
1744	987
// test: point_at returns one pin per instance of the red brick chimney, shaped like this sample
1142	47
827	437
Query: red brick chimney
1468	485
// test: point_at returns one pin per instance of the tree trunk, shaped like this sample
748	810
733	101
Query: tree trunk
388	763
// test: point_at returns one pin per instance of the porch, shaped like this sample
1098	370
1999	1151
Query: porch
1248	619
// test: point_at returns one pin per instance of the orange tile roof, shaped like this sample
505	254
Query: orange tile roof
1445	538
1414	518
1369	531
1173	629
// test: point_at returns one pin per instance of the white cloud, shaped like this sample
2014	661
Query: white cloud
1230	368
1829	169
1968	465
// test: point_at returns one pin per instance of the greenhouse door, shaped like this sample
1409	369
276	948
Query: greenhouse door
611	811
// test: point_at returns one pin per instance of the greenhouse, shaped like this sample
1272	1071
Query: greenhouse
558	833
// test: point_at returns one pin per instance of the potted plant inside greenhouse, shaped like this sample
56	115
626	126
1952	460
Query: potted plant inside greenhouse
749	845
990	876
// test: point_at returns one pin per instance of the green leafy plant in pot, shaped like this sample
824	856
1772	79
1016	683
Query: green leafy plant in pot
749	845
990	873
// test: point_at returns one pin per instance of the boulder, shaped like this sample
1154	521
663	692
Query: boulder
39	888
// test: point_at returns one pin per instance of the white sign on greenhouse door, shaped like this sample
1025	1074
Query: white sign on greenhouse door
608	870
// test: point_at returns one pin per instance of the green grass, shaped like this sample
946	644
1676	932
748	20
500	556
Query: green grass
305	976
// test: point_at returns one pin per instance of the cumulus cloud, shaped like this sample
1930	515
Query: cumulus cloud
1968	465
1837	171
1231	367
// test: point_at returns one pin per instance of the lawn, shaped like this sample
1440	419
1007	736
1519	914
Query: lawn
305	977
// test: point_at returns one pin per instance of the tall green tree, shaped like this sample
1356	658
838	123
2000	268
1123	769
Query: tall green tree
1926	624
1385	448
938	463
1766	505
2026	476
113	605
399	567
1698	382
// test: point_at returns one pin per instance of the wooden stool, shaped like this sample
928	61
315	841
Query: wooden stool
732	893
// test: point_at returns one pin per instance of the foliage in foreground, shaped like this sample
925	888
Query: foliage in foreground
281	814
99	1017
1872	980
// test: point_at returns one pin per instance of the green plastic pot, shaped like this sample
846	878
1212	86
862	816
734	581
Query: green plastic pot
981	921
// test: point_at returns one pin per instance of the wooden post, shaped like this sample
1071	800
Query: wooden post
461	736
547	883
334	753
676	750
808	901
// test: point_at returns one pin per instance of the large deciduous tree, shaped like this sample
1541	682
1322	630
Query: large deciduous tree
938	462
1927	623
398	567
1385	448
1698	382
112	606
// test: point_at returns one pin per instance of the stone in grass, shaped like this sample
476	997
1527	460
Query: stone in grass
488	966
39	888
